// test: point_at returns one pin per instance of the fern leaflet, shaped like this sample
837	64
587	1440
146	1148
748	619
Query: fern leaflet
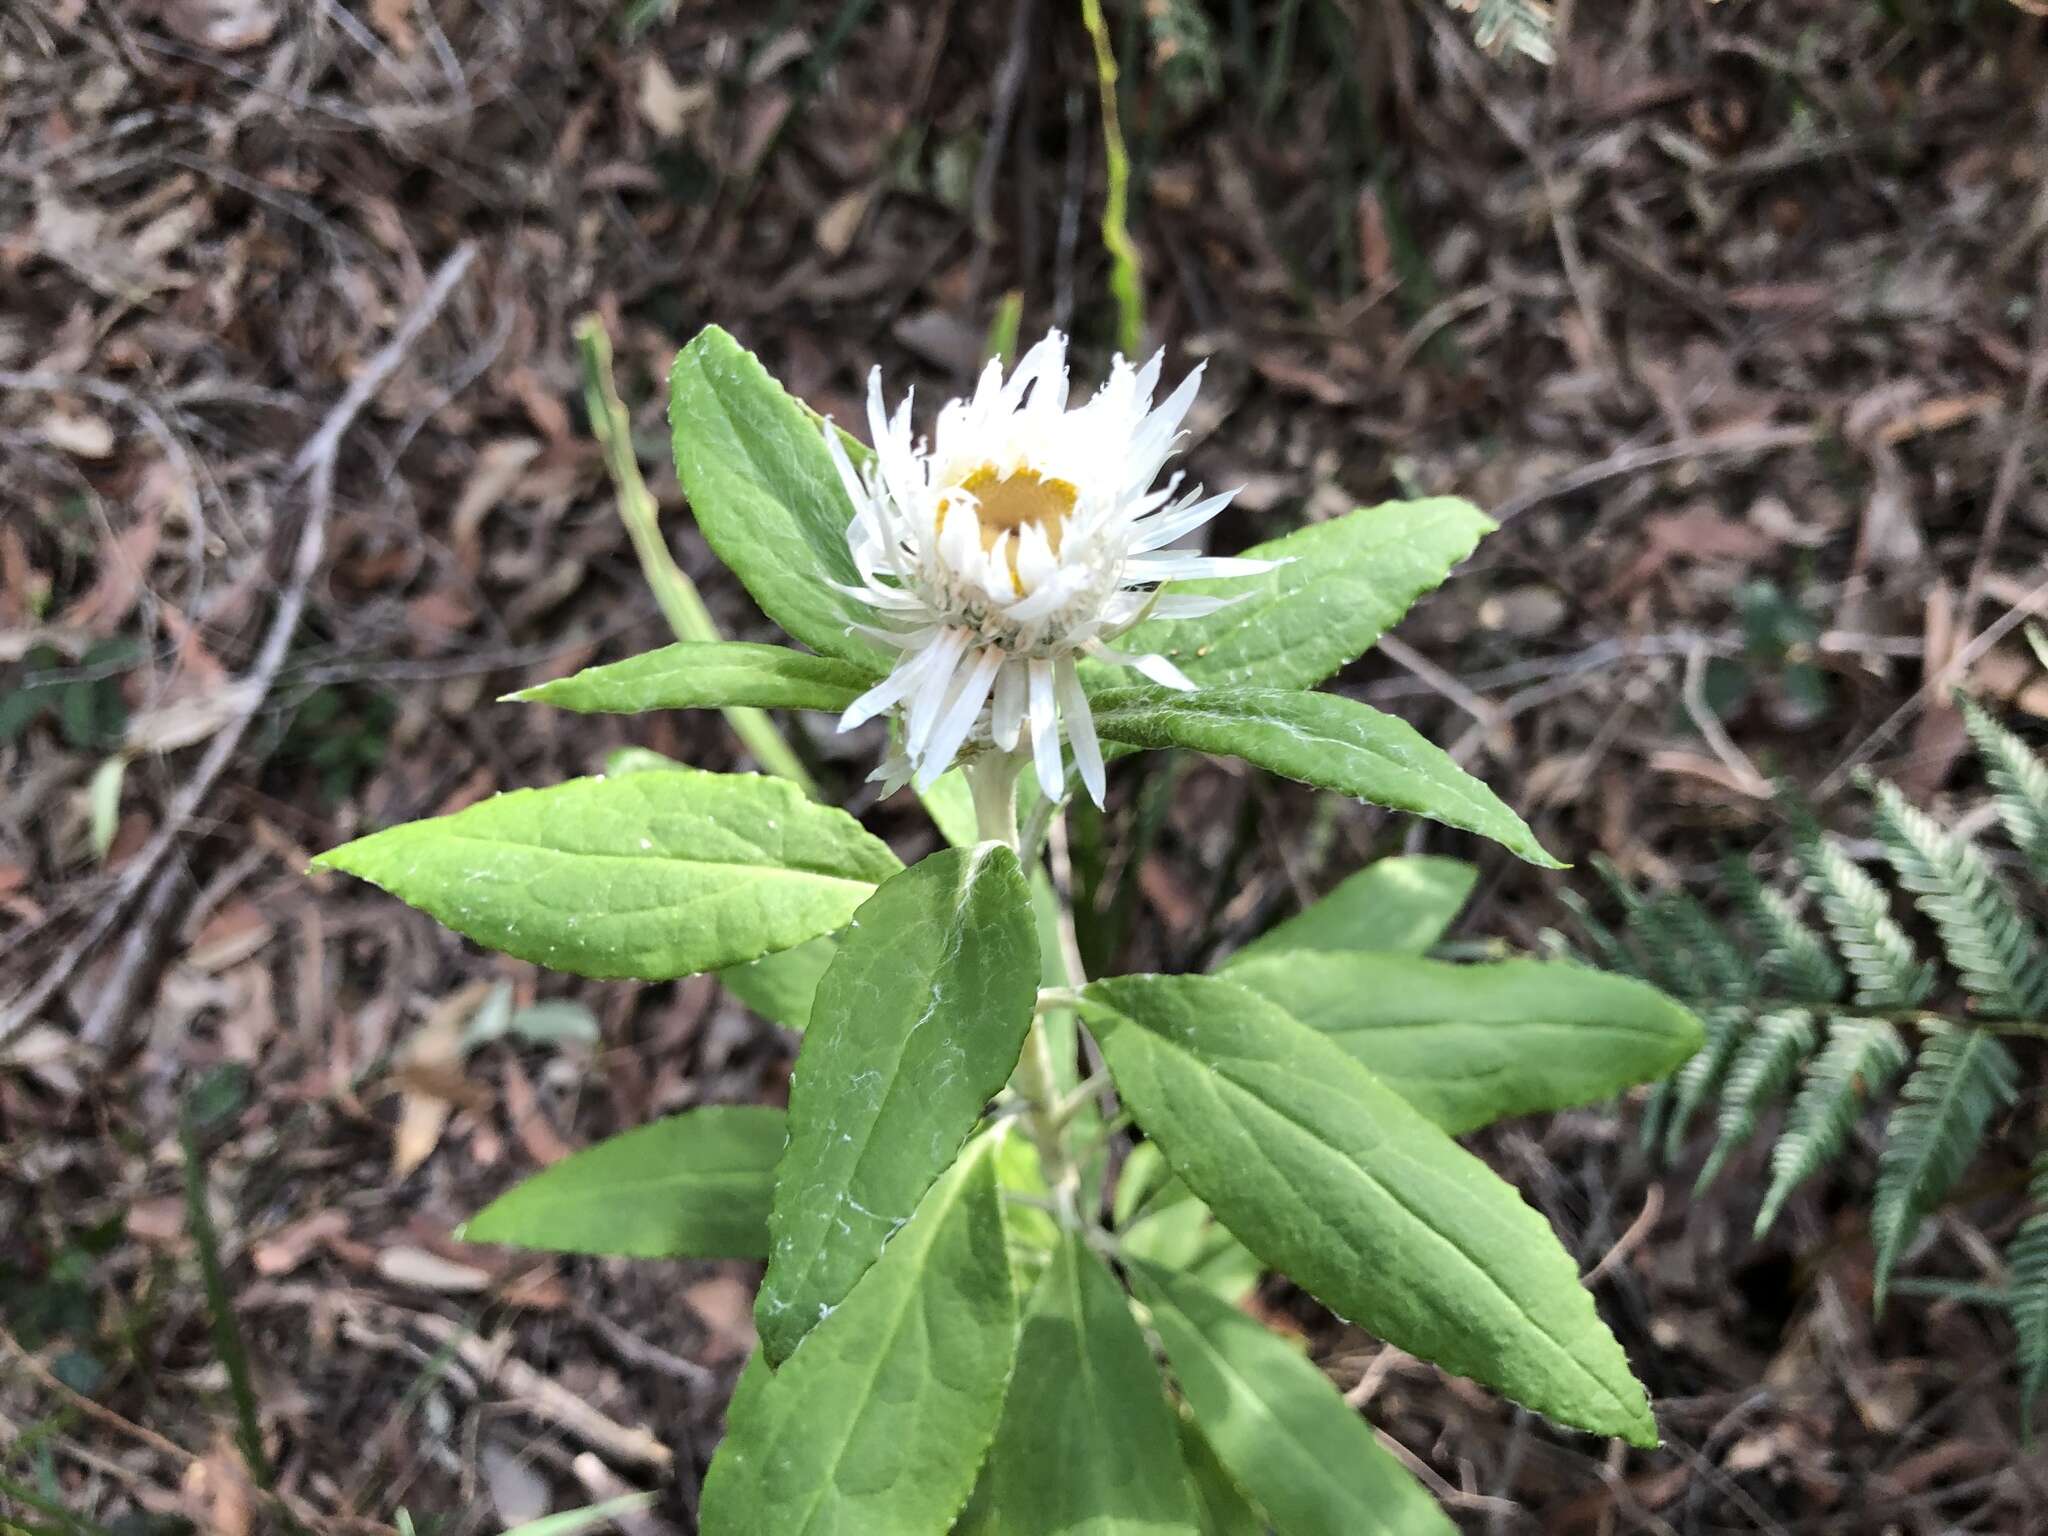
1759	1073
1889	974
1726	1030
2028	1256
1992	945
2019	781
1963	1075
1860	1059
1794	956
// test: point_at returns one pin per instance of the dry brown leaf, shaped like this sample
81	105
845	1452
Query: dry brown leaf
497	470
124	563
78	433
393	18
529	1122
217	1494
725	1305
226	26
288	1248
839	223
406	1265
430	1078
190	720
666	105
234	933
160	1221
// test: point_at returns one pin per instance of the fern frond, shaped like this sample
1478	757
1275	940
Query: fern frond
1795	958
1523	25
2028	1303
2019	783
1889	973
1684	950
1726	1031
1858	1062
1993	946
1761	1069
1607	947
1962	1077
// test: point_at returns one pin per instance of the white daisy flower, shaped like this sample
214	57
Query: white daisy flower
1022	536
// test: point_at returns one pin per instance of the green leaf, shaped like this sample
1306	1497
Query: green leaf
1179	1232
1963	1077
878	1423
1398	904
1221	1506
916	1026
1469	1044
765	493
1282	1431
656	875
1321	739
573	1522
1087	1444
1330	1176
779	987
706	675
1859	1061
695	1185
1347	581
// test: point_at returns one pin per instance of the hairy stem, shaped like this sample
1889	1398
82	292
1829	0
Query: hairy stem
993	780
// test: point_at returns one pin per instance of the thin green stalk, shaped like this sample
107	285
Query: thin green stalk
1126	278
681	604
993	779
21	1494
227	1338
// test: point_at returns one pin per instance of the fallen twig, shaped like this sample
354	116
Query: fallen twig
315	465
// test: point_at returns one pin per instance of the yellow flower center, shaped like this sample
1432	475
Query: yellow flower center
1008	503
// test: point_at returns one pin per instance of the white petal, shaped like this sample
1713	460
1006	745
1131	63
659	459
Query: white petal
1158	531
856	491
885	693
1045	729
1080	728
965	703
932	687
1006	716
1152	665
1191	605
1171	565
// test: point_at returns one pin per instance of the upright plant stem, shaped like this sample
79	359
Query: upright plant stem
227	1338
1126	277
993	780
680	601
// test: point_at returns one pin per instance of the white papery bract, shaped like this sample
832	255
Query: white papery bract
1022	536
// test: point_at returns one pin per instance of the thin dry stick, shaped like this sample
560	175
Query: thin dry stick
2005	490
315	465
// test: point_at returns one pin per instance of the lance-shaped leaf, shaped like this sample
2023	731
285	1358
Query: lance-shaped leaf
765	493
1285	1434
780	987
695	1185
1346	582
878	1423
1088	1445
1222	1507
651	876
1399	904
1468	1044
1329	1175
915	1026
1322	739
701	674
